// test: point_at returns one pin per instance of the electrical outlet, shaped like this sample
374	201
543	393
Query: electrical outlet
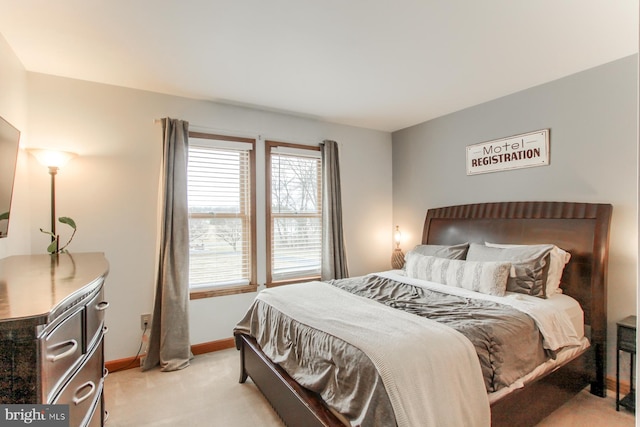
145	321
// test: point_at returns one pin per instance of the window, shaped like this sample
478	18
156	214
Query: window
221	198
294	216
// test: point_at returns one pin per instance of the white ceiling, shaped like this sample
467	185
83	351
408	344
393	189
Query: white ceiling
379	64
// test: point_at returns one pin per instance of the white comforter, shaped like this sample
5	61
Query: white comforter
430	371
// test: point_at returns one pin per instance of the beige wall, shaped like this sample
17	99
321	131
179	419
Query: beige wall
593	118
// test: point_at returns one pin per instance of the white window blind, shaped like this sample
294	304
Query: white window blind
219	194
296	222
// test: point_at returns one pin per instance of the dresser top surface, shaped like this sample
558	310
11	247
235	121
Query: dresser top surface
34	287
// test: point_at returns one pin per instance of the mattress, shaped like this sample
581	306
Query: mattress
572	309
563	356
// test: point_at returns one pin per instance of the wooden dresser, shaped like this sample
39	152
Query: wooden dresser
51	333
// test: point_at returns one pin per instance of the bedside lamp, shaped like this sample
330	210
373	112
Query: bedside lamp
54	160
397	258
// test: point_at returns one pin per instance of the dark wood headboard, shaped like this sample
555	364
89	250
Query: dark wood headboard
582	229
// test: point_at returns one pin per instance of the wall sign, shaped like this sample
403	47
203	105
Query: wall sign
516	152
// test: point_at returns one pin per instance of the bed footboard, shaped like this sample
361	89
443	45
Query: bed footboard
295	405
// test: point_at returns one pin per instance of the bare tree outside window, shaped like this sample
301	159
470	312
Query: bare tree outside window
296	216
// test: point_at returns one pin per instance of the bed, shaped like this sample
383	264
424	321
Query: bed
580	228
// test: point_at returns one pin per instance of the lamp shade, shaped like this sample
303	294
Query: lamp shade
52	158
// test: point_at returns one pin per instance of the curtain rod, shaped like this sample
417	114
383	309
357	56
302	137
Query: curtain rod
251	134
227	132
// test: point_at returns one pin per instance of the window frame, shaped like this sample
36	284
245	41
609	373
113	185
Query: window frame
252	286
269	223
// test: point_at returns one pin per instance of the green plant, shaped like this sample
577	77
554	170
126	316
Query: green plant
53	247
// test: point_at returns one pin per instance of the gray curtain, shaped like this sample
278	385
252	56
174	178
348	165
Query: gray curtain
334	257
169	339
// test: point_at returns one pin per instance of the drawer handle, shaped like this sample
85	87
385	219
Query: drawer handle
105	329
105	373
78	400
54	358
103	305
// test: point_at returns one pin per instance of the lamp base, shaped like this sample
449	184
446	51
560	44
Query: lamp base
397	259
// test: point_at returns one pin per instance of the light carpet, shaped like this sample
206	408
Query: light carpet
208	394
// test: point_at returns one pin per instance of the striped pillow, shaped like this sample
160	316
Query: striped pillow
485	277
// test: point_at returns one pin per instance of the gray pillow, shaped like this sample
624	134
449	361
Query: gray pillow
529	265
443	251
485	277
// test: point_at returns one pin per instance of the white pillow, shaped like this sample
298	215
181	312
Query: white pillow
485	277
559	258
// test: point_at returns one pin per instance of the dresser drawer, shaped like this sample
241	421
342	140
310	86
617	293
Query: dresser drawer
97	414
61	352
84	391
94	319
626	339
